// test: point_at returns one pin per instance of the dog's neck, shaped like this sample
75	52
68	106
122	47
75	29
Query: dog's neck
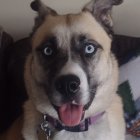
50	124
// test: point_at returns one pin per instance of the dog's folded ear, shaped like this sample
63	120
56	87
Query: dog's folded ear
42	10
101	10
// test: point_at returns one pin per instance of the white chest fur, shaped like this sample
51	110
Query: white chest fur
98	131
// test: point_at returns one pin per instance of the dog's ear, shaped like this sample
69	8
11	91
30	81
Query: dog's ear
42	10
101	10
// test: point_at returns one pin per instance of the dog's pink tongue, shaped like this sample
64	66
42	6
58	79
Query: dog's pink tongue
71	114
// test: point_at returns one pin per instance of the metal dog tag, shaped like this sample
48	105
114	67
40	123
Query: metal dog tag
46	129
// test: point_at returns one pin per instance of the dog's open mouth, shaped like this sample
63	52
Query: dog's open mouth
71	114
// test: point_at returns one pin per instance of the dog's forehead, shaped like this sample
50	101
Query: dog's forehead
66	26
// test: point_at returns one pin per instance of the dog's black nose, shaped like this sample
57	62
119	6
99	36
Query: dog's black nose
68	85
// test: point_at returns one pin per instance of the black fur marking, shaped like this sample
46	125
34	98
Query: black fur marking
54	63
78	44
92	95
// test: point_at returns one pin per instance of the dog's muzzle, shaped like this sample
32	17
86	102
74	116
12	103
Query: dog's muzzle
71	109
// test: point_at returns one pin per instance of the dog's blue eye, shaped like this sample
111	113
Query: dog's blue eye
48	51
89	49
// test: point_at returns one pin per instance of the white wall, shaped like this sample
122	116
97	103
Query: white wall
127	18
17	18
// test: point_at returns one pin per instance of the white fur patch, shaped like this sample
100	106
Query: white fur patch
62	33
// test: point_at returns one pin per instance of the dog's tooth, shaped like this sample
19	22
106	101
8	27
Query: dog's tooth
74	102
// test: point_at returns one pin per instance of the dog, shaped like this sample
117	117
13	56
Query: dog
71	76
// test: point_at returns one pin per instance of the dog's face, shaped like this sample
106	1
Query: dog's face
71	63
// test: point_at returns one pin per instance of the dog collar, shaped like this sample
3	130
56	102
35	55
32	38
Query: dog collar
50	123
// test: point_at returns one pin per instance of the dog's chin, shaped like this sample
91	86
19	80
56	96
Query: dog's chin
70	114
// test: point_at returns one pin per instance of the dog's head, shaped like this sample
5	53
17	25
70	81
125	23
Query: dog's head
72	71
